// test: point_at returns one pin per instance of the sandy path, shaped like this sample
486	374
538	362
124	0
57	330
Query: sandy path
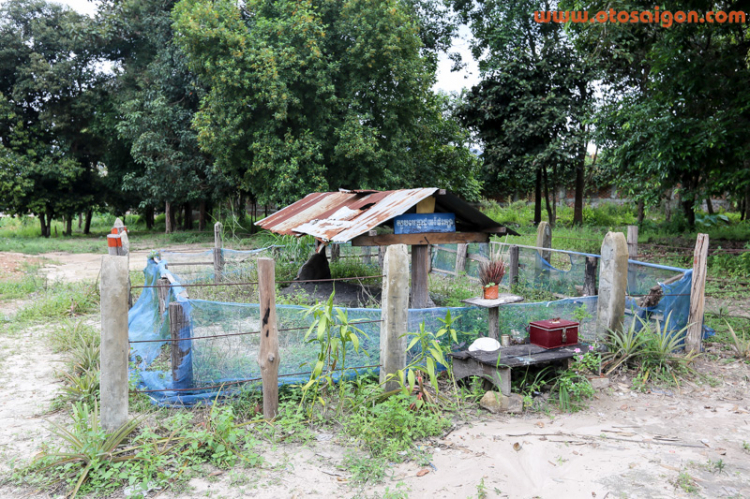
27	387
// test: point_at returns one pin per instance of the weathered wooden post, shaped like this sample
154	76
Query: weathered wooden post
162	292
268	356
613	282
694	338
420	263
633	242
180	333
632	255
513	266
420	268
462	250
395	313
589	282
367	250
114	291
218	256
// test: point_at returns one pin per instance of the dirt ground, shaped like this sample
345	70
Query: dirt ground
625	444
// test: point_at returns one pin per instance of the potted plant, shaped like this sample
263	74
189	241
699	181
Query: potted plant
491	273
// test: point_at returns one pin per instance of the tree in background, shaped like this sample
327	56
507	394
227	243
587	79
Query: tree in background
676	108
530	109
156	97
305	97
49	90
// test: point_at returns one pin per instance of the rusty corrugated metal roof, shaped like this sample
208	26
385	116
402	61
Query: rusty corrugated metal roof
342	216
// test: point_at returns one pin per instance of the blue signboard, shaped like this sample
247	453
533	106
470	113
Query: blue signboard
416	223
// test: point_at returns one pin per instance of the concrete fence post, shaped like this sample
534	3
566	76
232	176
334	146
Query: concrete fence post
613	282
544	239
395	313
114	291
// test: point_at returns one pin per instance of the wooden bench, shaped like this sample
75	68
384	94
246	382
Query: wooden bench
495	366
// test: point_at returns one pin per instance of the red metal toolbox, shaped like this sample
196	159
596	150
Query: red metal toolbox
553	333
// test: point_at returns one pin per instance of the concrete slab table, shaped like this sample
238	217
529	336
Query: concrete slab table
492	307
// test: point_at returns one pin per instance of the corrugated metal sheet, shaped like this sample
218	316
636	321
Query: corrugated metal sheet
342	216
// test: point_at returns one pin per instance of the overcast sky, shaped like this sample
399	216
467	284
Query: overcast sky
446	80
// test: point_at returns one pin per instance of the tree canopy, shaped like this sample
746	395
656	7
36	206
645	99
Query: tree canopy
307	97
49	93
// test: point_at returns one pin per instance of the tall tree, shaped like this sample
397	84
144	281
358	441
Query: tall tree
306	96
157	97
49	89
531	107
676	104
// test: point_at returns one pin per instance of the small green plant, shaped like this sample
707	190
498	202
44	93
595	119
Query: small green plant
588	362
718	466
746	446
686	482
88	446
573	389
333	339
660	348
740	345
624	347
388	431
581	313
82	387
481	490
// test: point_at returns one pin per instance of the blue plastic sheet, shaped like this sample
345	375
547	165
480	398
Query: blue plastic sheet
225	343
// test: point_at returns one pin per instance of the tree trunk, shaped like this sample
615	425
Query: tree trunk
177	210
202	216
189	216
49	222
641	212
554	196
687	207
709	205
87	223
69	224
538	197
42	224
80	220
149	214
747	202
580	179
550	217
168	217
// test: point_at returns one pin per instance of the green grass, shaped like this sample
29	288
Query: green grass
15	287
54	301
